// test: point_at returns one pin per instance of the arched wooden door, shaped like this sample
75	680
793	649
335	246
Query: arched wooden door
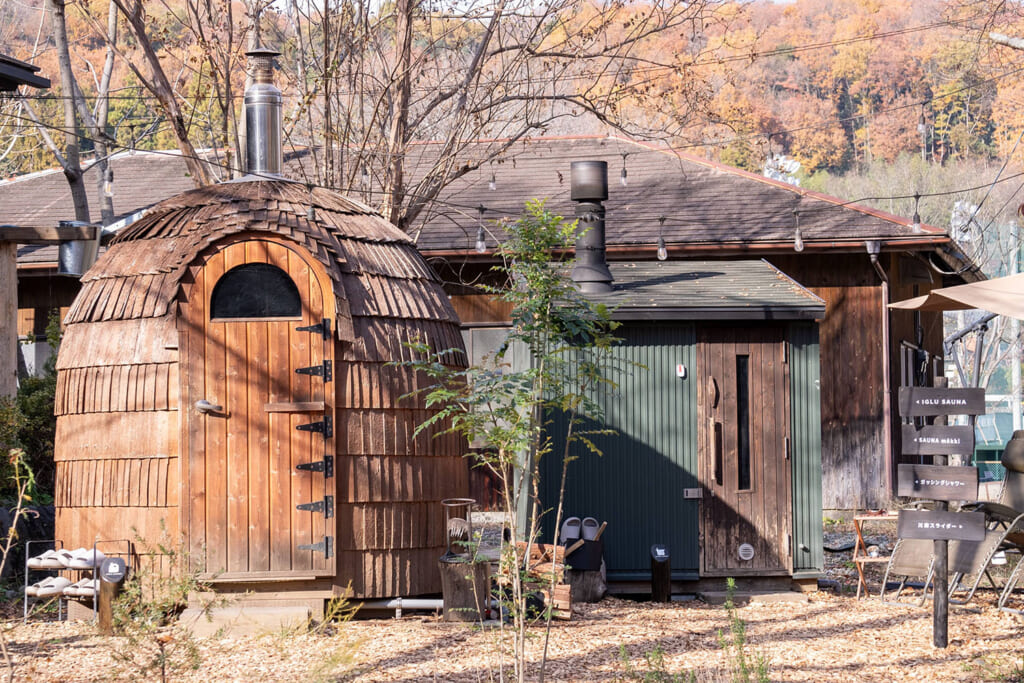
257	350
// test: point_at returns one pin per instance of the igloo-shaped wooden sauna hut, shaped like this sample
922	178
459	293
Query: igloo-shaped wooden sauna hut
225	373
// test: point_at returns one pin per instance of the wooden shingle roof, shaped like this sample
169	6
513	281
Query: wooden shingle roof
374	267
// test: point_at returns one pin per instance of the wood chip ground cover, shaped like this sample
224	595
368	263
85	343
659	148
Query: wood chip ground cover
828	638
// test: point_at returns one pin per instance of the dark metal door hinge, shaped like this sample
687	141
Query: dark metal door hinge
325	546
324	426
322	328
326	506
323	370
788	447
326	466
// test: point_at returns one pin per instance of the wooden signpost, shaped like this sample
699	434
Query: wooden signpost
939	483
937	440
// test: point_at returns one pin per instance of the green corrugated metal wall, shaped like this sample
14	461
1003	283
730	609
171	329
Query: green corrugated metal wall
637	484
805	402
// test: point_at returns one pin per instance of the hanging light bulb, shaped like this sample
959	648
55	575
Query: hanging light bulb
131	145
798	238
481	237
916	226
108	183
364	177
624	176
492	184
662	249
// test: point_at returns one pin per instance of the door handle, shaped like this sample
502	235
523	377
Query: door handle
204	406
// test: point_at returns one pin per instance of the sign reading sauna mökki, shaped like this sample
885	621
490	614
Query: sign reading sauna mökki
937	440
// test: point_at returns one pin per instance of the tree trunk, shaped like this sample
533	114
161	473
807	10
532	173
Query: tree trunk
72	161
398	134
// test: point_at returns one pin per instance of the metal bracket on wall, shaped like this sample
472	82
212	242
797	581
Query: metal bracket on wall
322	328
326	466
325	546
323	370
324	426
326	506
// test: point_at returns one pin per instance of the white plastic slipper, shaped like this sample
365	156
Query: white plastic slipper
47	560
64	556
55	586
88	588
86	559
590	527
34	588
570	529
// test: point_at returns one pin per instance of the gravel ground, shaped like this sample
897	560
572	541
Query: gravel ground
828	638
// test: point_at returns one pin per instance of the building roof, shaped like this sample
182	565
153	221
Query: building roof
709	208
707	290
14	72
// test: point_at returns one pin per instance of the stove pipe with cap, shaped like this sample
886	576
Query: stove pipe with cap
262	116
588	188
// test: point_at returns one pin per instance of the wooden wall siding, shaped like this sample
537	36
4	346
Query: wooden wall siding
379	572
853	448
117	388
380	385
481	308
119	342
391	526
121	482
390	432
384	340
99	436
393	478
78	526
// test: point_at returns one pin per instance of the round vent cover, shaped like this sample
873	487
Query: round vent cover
746	552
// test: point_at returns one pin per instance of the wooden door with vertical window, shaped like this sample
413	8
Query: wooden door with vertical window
743	418
258	401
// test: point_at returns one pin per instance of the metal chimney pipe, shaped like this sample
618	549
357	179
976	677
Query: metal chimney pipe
588	188
262	116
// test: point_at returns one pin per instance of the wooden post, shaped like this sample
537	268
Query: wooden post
8	319
940	549
465	588
109	590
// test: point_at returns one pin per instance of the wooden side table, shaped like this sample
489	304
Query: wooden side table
860	556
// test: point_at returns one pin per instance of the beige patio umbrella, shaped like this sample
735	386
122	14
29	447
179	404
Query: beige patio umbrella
1003	295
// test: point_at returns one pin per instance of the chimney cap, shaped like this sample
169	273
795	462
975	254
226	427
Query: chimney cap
263	52
589	181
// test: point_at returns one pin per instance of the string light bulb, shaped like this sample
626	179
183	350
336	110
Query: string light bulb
364	177
662	249
492	184
798	237
108	183
916	225
131	144
624	176
481	237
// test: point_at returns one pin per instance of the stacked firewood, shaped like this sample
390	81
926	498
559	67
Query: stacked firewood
544	560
